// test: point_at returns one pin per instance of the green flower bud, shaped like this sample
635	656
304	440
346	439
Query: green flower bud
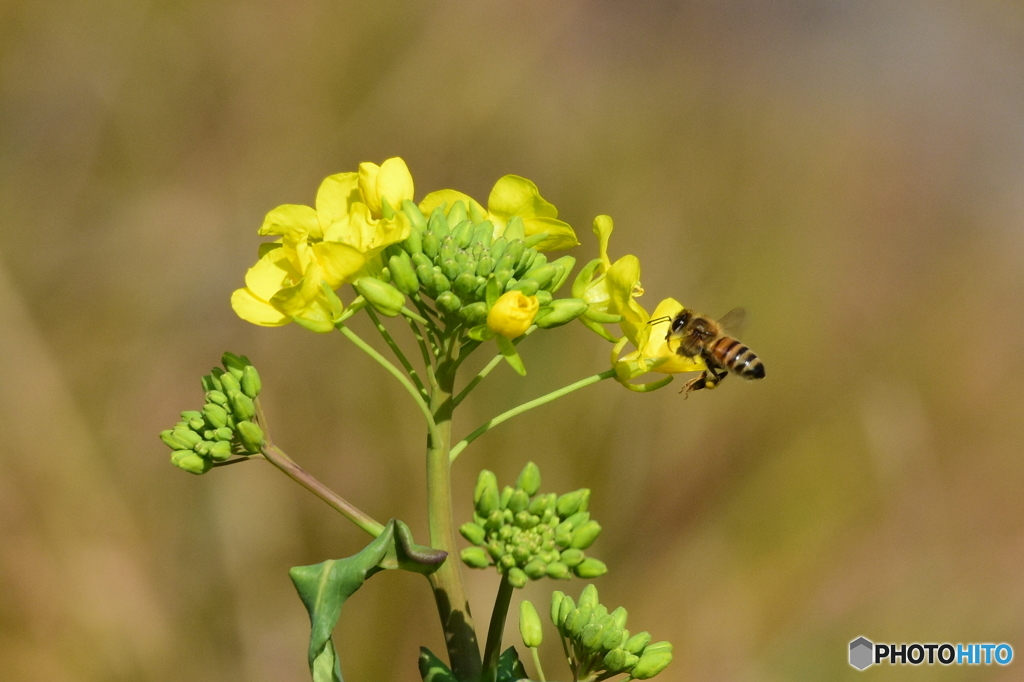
556	602
448	302
558	571
591	637
615	661
485	266
403	274
585	535
562	311
590	568
495	520
527	286
465	285
515	230
472	532
566	263
529	625
170	441
437	285
220	451
190	462
488	502
577	520
250	435
637	642
457	213
619	616
216	416
474	313
507	561
431	245
210	383
516	249
529	479
613	637
563	536
242	406
585	499
518	501
544	298
450	268
415	216
536	569
521	554
527	261
658	646
250	382
217	397
438	226
584	614
588	597
539	504
234	364
462	233
506	495
565	607
523	519
385	298
475	557
186	436
496	550
483	233
542	275
516	577
498	248
419	259
197	424
569	503
229	383
224	433
650	664
572	557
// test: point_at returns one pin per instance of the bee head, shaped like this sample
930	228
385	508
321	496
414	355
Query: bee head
680	321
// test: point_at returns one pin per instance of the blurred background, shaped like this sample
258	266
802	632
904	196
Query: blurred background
850	172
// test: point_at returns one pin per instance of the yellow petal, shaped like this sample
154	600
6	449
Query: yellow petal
368	173
394	183
622	279
340	262
292	219
270	274
512	314
335	196
513	195
603	227
448	197
255	310
560	235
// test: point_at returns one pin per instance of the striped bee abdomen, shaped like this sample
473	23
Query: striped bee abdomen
734	356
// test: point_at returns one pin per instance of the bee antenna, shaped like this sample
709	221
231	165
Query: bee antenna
657	320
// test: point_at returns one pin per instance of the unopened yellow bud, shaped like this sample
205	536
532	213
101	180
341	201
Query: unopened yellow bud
512	314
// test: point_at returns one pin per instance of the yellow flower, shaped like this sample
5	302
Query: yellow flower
609	288
357	215
512	314
511	197
653	353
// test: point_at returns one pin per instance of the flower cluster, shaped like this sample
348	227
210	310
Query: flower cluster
225	426
526	535
599	643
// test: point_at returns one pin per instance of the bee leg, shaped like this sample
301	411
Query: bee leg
695	384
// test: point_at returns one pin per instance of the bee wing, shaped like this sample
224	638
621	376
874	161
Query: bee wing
734	321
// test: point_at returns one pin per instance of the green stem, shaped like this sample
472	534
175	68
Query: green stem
410	315
424	352
285	463
397	351
397	373
536	663
449	588
536	402
492	650
482	374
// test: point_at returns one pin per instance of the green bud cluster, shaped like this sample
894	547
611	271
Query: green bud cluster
225	426
599	642
527	535
453	257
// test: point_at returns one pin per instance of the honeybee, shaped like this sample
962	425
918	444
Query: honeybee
700	335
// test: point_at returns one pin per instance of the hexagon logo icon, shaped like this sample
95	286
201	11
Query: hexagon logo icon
861	653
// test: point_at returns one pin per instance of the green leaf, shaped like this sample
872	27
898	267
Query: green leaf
508	351
433	669
510	668
324	587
